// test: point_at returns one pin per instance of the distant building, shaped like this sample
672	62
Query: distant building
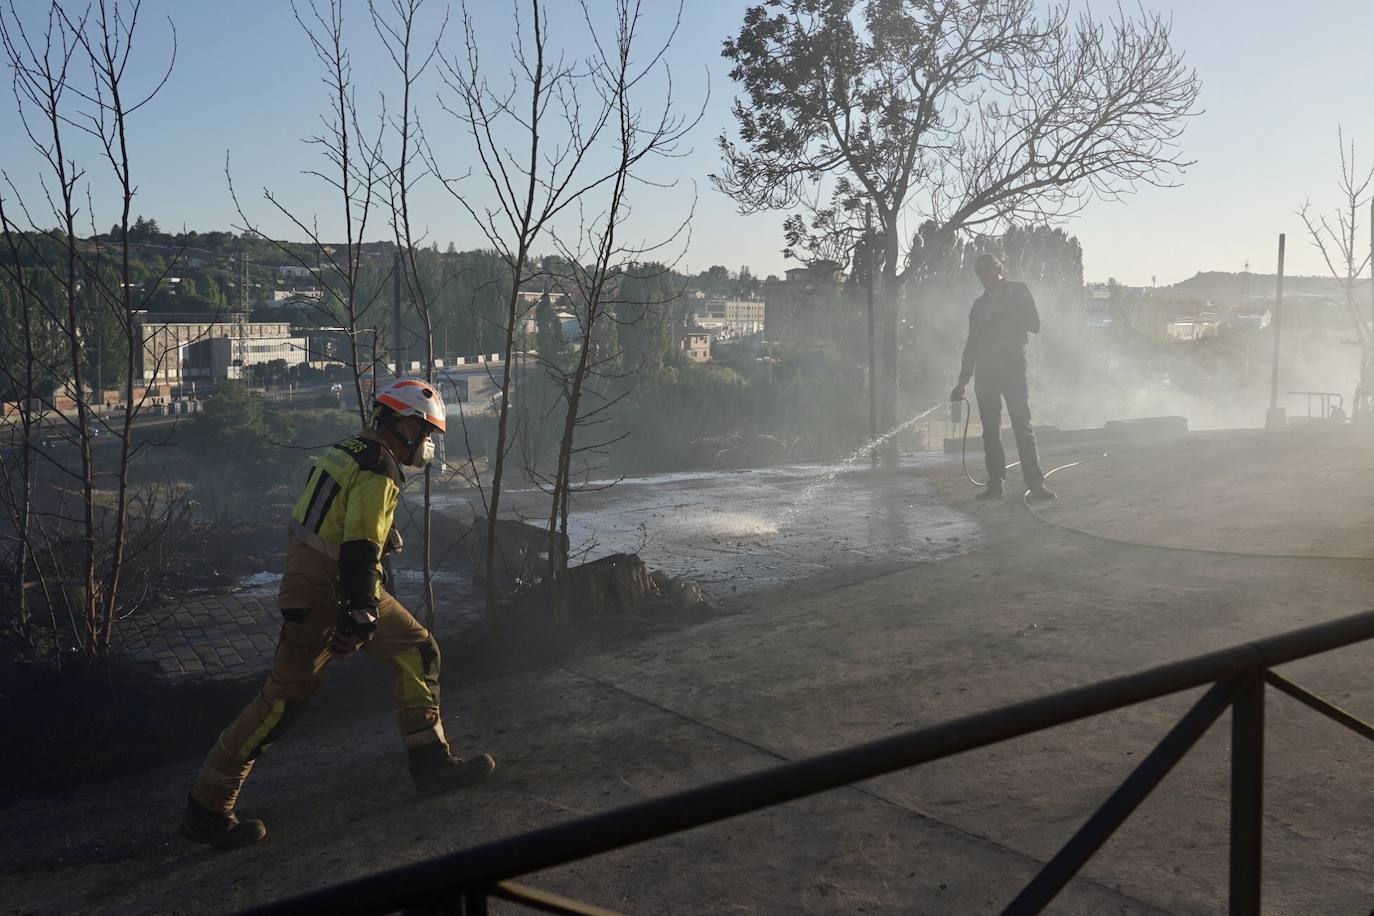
804	304
180	348
326	346
529	298
728	317
569	325
290	295
693	341
562	305
1193	327
1251	318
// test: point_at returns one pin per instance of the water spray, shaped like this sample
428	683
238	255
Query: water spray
824	480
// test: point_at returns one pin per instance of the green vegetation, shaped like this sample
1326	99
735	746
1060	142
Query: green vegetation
807	395
241	443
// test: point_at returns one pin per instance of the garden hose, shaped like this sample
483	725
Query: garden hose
963	454
963	447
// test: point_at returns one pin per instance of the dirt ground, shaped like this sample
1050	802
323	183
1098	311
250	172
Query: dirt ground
850	653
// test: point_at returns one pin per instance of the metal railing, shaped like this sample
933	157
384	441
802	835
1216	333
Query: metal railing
462	882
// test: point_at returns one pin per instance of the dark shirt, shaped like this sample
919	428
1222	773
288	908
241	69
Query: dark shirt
997	328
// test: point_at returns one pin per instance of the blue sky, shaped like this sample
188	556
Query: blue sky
1277	81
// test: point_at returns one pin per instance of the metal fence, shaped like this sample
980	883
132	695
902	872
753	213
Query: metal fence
462	882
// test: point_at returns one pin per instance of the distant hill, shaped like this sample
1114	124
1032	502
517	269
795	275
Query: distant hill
1225	287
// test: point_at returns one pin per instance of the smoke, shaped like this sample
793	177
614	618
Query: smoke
1201	349
1122	361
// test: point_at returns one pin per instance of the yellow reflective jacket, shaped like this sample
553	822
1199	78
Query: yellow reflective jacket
347	510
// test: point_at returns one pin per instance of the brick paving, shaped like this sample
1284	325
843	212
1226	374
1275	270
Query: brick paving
233	636
228	637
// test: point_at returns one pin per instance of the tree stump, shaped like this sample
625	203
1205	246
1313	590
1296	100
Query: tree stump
613	585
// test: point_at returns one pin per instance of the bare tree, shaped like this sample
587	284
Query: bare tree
531	188
600	253
109	43
962	115
354	169
397	32
1338	239
18	494
42	67
102	39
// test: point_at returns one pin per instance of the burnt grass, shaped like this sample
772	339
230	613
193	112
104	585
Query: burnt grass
84	721
78	718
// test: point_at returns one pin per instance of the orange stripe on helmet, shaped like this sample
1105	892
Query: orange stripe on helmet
399	405
393	403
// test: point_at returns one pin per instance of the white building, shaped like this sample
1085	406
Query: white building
185	347
728	317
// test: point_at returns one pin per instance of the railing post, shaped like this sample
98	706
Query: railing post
1247	795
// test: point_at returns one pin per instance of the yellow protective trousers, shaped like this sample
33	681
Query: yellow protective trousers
297	672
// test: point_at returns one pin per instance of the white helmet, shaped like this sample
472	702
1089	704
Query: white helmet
409	397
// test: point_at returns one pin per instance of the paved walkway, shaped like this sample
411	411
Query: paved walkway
1299	492
784	674
230	637
234	636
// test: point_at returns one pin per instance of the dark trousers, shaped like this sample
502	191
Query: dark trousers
991	391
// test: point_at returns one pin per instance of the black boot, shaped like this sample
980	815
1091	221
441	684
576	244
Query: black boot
222	831
435	771
993	490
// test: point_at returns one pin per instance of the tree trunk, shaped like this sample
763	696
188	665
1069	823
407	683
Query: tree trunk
890	451
498	465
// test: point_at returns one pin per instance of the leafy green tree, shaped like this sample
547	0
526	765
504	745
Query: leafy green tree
239	441
959	114
233	414
647	299
143	230
548	332
49	367
715	281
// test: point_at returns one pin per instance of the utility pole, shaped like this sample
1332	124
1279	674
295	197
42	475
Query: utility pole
872	344
396	347
241	319
1276	418
1363	405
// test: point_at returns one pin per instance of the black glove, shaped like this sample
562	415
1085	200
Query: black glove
958	393
394	543
354	627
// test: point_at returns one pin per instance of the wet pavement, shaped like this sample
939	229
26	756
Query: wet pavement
741	531
732	532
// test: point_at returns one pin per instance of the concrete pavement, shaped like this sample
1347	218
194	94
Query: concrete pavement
846	655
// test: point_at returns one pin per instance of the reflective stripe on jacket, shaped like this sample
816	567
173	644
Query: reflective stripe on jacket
346	510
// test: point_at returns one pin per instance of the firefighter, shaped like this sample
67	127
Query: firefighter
996	355
333	604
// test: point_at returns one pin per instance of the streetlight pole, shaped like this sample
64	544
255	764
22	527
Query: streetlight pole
872	341
396	311
1276	418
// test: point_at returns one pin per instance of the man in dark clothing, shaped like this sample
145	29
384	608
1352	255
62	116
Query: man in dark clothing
996	354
